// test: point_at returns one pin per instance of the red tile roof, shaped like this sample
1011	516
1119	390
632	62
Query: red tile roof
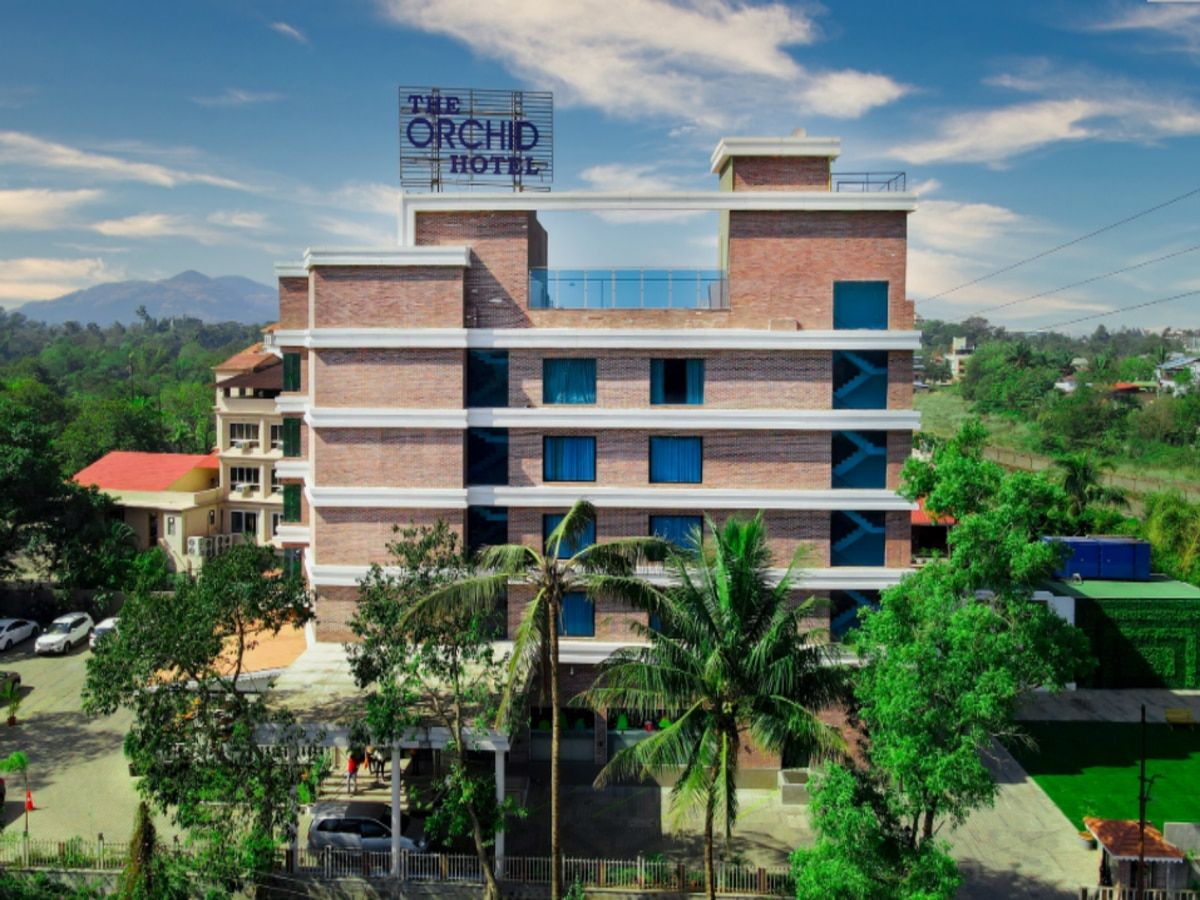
1120	837
127	470
920	516
246	360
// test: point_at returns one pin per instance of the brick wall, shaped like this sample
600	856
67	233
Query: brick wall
346	536
898	546
613	618
388	457
383	297
900	379
732	379
293	302
334	610
899	449
405	379
782	265
787	530
497	282
732	459
781	173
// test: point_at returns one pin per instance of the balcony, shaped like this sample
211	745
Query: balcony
869	182
628	289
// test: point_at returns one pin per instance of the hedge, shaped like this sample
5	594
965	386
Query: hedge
1142	643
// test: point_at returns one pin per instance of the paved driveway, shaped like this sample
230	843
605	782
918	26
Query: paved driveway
77	771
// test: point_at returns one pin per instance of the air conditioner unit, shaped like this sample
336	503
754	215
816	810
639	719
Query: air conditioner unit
244	488
238	443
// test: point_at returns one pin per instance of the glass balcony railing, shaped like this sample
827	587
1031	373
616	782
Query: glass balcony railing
628	289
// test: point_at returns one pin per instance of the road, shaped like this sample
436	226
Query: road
77	771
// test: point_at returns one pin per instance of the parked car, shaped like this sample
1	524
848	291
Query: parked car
357	827
64	633
13	631
108	626
7	678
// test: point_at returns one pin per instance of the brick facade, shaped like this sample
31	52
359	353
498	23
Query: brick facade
293	302
402	379
409	297
388	457
348	536
780	173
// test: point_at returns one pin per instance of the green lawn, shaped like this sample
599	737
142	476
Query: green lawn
1091	769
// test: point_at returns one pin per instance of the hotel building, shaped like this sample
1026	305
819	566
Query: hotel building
456	377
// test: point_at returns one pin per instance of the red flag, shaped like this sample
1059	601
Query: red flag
28	800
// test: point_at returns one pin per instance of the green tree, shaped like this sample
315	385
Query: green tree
29	475
1083	482
105	424
731	666
862	850
197	739
434	663
17	763
604	570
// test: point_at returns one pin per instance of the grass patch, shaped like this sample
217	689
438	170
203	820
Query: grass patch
1091	769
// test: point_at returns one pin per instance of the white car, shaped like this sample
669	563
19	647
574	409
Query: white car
13	631
64	633
357	827
108	626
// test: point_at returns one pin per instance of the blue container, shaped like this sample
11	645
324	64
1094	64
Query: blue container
1124	559
1082	560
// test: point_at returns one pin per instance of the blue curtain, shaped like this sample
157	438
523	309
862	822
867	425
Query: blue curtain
568	381
569	459
675	460
677	381
578	616
568	547
860	304
679	530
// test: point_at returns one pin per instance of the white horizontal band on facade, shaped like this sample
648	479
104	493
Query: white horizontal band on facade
649	418
851	578
292	468
794	146
292	533
681	201
458	257
290	270
606	497
595	339
291	403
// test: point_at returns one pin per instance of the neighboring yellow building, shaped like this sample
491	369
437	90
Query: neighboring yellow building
170	500
249	442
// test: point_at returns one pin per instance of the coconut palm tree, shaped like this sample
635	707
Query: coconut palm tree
1083	482
729	666
563	566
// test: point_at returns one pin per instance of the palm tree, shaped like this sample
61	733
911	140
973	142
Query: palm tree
597	570
1083	482
729	665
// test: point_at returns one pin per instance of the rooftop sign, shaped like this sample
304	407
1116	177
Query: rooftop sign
463	136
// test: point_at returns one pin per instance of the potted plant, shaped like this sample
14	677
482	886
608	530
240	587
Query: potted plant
11	698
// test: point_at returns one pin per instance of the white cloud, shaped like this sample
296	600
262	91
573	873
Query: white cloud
951	225
360	196
18	148
39	209
239	97
689	61
1177	23
40	278
289	31
360	234
619	178
235	218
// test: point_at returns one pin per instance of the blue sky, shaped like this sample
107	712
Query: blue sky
139	139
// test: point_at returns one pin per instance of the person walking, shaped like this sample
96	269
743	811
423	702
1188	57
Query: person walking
352	773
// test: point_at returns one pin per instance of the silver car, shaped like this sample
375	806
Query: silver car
108	626
356	827
13	631
64	633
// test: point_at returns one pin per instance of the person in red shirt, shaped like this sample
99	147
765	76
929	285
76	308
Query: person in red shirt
352	773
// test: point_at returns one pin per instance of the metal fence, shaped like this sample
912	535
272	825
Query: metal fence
628	289
1112	893
75	853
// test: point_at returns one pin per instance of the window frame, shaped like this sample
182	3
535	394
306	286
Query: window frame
673	437
546	438
547	361
659	364
561	625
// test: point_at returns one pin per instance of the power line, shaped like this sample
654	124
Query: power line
1073	284
1063	246
1113	312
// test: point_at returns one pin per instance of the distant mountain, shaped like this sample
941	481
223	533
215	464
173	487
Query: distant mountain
228	298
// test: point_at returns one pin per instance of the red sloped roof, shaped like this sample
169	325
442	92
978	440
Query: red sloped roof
922	517
1121	838
245	360
128	470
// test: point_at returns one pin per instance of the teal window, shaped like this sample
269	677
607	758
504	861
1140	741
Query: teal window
291	503
293	562
487	456
568	381
568	458
677	381
846	608
291	438
857	538
860	304
859	459
578	617
487	378
291	371
681	531
676	460
487	526
568	548
860	379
